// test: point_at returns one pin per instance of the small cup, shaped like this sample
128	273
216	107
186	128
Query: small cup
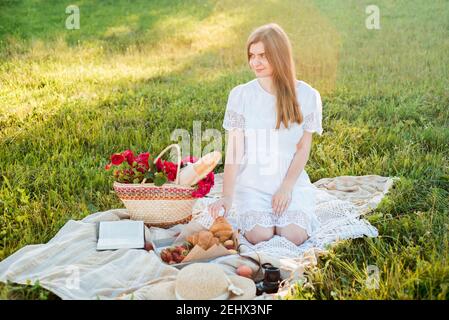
272	275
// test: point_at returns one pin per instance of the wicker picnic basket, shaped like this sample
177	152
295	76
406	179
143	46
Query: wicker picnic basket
158	206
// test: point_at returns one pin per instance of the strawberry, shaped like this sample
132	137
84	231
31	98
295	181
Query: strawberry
179	249
176	257
166	255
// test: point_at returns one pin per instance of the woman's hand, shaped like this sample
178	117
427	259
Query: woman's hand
214	208
281	200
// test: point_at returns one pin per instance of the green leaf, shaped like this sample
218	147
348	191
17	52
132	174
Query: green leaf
160	179
152	166
149	176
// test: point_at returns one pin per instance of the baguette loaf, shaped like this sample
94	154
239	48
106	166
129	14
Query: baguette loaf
194	172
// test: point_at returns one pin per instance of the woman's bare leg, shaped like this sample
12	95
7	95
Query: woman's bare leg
292	232
259	234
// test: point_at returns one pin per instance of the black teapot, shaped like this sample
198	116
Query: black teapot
271	275
271	280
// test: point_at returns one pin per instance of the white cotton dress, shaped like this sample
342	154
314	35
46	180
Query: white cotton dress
268	154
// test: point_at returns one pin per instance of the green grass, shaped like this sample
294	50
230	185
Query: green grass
137	70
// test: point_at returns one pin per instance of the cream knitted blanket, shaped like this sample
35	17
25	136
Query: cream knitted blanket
70	266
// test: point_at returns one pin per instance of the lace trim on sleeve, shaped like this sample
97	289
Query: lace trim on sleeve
312	123
233	120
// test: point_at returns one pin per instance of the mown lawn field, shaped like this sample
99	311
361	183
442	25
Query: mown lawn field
137	70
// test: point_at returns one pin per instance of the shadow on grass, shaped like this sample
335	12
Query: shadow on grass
116	24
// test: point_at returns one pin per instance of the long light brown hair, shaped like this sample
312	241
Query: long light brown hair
278	51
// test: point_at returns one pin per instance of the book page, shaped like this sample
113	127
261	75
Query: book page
120	234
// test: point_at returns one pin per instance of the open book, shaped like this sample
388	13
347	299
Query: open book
127	234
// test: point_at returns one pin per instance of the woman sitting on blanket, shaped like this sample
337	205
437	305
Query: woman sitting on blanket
270	121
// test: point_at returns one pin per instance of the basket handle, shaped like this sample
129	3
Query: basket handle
176	146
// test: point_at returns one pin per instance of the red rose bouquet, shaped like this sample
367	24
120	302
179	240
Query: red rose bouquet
134	169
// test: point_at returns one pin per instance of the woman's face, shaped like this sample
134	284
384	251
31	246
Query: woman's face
258	62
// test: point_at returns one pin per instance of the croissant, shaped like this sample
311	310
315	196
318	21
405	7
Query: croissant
205	239
221	229
219	222
223	235
214	240
193	239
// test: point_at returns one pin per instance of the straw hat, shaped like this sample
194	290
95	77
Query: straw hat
207	281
